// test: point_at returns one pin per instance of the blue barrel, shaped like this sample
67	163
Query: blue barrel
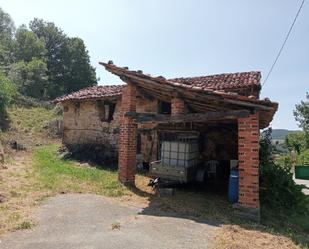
233	186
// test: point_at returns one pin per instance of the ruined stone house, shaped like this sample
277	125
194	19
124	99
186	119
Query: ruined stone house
214	118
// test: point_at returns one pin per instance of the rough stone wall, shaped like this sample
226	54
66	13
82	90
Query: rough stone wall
148	135
82	126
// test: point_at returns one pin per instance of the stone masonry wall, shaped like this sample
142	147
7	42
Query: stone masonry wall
83	126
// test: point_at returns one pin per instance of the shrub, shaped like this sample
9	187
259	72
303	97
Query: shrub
296	141
26	101
7	91
303	158
278	189
99	154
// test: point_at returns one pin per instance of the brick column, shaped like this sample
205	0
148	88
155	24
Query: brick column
248	156
127	137
178	106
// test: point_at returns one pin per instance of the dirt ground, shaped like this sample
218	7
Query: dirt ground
186	209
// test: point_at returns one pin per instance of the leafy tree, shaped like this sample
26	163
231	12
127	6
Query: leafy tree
67	60
296	141
7	91
28	45
57	54
301	114
81	73
30	78
7	29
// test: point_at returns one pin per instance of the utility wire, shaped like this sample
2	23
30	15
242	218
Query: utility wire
284	42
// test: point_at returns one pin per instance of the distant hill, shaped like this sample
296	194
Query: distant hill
279	134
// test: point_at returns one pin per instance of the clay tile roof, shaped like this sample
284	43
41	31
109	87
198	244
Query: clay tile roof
227	81
95	92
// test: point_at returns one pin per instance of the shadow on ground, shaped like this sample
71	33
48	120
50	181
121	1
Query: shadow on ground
209	205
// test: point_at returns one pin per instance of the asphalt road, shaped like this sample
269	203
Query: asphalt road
91	222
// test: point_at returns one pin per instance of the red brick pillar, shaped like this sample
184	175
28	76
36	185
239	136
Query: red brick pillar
248	156
178	106
127	137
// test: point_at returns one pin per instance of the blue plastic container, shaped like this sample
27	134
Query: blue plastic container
233	186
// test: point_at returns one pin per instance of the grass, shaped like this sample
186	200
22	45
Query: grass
43	174
291	224
25	225
27	127
31	177
30	120
59	175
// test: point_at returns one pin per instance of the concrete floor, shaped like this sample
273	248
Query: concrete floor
86	222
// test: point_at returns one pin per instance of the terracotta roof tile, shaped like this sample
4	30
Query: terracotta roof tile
95	92
227	81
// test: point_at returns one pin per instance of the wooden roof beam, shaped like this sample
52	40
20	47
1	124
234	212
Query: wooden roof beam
191	117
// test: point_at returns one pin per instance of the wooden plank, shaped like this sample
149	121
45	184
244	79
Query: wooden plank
192	117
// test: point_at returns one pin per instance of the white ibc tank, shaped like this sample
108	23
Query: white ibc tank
183	152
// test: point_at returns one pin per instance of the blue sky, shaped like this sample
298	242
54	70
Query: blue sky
177	38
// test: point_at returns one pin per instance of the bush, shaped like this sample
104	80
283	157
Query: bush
7	91
99	154
296	141
26	101
278	189
303	158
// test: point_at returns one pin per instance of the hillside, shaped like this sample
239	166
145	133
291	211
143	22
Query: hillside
280	134
29	127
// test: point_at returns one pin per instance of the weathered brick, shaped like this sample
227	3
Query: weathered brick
248	156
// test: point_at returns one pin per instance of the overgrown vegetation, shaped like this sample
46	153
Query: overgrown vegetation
301	114
7	91
284	206
41	60
58	175
30	178
99	154
29	128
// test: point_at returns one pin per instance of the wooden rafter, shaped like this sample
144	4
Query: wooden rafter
191	117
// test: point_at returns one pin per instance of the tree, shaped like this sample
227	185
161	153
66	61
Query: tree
301	115
30	78
28	45
67	60
7	29
56	56
296	141
81	73
7	91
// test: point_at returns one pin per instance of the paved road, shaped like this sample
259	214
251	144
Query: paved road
303	182
86	221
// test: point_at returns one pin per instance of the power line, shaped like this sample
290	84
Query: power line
283	44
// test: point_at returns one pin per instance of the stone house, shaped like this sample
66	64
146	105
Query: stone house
214	118
91	116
